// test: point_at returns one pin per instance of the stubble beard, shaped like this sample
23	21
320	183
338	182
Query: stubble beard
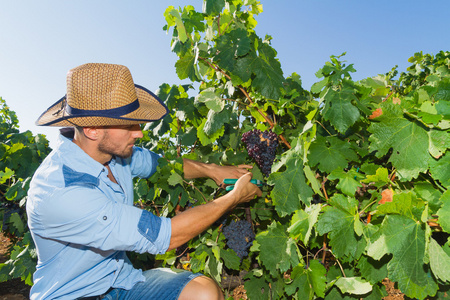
107	147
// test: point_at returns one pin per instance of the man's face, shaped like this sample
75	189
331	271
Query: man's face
119	140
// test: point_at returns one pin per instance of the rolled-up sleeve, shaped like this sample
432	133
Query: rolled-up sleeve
85	216
143	162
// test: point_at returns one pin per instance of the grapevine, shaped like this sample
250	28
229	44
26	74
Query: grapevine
324	191
351	140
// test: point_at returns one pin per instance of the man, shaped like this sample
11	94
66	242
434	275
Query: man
80	202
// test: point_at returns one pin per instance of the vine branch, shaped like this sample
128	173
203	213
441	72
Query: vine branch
244	91
196	188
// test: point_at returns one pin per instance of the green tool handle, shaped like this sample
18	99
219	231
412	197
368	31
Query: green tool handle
233	181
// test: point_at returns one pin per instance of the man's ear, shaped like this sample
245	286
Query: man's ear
92	133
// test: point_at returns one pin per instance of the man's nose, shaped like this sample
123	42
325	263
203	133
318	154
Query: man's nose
137	132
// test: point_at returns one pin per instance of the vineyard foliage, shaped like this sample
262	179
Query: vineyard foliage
359	188
20	155
358	192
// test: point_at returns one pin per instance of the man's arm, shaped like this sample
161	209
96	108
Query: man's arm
194	221
195	169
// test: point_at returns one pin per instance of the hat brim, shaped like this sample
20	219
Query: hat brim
150	109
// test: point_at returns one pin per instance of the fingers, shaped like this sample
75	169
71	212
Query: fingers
223	172
246	189
246	177
242	169
258	192
245	166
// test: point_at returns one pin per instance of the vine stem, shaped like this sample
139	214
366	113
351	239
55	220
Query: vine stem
248	215
324	247
340	266
184	251
337	260
218	25
244	91
323	188
178	140
196	189
362	210
324	127
325	250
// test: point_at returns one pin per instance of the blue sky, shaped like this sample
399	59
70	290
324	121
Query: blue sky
41	40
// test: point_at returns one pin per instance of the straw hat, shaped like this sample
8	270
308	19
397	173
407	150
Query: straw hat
103	95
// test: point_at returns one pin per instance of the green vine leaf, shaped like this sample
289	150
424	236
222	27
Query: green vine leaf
213	7
303	221
290	188
404	238
208	139
348	182
17	222
7	174
268	80
339	222
353	285
257	288
276	240
408	140
373	270
339	109
182	35
309	281
444	212
231	45
439	142
211	99
175	179
381	177
330	153
231	260
187	68
404	203
215	121
439	169
439	261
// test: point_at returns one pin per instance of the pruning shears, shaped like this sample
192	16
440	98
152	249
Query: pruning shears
233	181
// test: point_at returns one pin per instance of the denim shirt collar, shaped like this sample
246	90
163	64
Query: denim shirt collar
78	159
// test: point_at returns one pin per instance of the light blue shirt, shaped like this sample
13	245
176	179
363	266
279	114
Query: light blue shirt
82	223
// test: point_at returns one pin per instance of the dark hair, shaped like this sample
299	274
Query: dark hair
68	132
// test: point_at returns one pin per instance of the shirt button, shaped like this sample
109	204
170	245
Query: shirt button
105	218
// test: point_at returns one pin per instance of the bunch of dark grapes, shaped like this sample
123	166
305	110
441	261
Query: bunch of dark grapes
261	146
239	236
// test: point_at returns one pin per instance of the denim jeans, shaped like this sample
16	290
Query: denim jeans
159	283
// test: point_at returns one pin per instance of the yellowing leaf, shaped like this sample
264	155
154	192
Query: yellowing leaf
386	196
376	113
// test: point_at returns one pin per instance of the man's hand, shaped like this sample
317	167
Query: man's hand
223	172
244	190
194	169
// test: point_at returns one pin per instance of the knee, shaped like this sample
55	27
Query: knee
201	288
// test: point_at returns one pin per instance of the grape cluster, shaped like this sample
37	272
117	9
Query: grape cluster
261	146
239	236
